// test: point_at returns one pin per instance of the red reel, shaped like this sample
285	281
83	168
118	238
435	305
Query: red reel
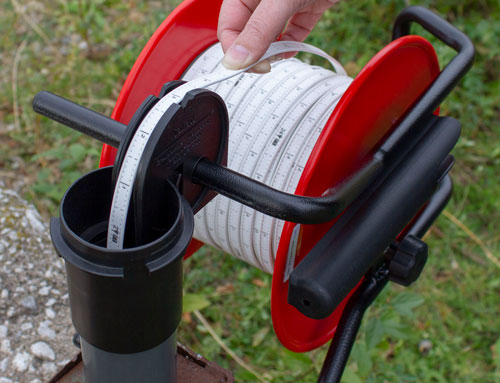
371	107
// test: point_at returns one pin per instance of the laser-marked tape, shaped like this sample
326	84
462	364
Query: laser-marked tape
275	120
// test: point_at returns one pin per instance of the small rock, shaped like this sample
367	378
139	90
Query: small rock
10	312
42	351
4	294
29	302
26	326
50	313
35	221
45	331
21	361
49	368
3	331
5	346
5	380
44	291
424	346
50	302
3	364
64	362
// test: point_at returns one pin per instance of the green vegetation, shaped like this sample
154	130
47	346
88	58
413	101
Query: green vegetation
445	328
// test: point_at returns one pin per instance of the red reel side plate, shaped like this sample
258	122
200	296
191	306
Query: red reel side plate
372	106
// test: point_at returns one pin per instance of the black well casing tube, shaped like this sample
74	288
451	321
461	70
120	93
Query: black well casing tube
125	304
354	244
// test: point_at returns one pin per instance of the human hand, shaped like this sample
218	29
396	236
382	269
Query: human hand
247	27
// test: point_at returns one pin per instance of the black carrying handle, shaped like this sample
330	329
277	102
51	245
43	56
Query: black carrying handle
354	244
449	77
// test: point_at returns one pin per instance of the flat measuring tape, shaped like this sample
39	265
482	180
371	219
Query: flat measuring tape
265	112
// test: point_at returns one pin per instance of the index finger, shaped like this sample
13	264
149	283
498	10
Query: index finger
233	17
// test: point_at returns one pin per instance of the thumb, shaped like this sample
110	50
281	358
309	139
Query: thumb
263	27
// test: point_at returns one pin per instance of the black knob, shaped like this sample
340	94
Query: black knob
408	261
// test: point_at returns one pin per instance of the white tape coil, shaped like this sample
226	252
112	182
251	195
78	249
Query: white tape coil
275	121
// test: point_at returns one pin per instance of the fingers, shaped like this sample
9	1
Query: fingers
302	23
248	27
233	17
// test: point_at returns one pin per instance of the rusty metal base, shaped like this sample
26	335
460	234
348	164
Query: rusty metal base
191	367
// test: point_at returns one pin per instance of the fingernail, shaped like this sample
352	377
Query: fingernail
237	57
262	67
276	58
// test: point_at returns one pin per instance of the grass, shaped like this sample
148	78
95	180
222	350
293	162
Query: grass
444	328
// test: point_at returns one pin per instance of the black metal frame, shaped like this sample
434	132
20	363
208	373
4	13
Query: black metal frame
374	282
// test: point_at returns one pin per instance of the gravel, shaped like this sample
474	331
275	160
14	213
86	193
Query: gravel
43	351
35	324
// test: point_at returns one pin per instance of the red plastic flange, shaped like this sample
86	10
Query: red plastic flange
372	106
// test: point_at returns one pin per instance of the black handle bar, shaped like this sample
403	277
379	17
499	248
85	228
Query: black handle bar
446	80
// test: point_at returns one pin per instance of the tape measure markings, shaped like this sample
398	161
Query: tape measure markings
294	144
253	147
293	119
271	144
255	141
251	116
288	164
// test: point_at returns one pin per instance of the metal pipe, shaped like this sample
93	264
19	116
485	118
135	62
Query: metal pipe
348	327
278	204
78	117
155	365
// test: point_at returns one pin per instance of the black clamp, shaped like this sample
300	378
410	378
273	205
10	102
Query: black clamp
408	261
